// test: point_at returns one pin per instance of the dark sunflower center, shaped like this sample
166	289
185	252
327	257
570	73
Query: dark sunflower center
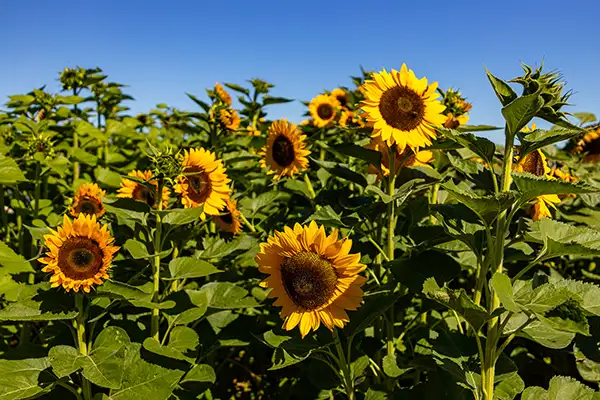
533	164
227	217
402	108
143	194
325	111
198	183
309	280
283	151
592	148
80	258
88	205
343	99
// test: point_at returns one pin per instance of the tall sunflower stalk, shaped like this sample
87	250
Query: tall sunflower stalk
155	322
82	345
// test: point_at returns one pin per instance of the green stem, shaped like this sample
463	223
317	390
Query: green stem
322	151
434	198
154	325
503	223
248	223
76	163
4	214
309	185
70	389
344	366
390	243
81	341
37	189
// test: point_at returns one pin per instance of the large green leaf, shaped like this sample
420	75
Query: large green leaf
9	171
503	288
341	171
486	207
141	380
540	332
415	270
37	303
531	186
520	111
350	149
561	388
12	262
375	305
182	216
539	138
20	379
219	248
188	267
502	89
225	295
289	350
483	147
200	373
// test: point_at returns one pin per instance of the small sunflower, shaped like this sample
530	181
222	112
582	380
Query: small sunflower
252	130
340	95
314	277
229	118
229	218
222	94
589	145
88	200
408	158
323	110
140	192
346	118
285	152
402	109
203	182
456	108
80	253
557	173
535	163
453	122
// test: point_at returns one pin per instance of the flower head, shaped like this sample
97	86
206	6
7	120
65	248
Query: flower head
88	200
285	152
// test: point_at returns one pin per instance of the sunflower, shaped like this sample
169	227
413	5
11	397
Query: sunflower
408	158
88	200
140	192
80	253
453	122
229	218
535	163
323	110
589	145
222	94
340	95
402	109
557	173
346	118
285	152
314	277
456	108
229	118
203	182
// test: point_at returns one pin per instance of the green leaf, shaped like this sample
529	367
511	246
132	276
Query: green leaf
267	100
486	207
37	303
200	373
415	270
288	350
509	387
390	367
251	205
457	300
136	249
182	216
220	248
531	141
375	305
520	111
107	177
9	171
587	353
201	103
20	379
585	117
226	295
121	290
350	149
483	147
298	186
141	380
12	262
502	89
503	288
341	171
84	157
238	88
477	128
563	239
531	186
188	267
70	99
561	388
540	332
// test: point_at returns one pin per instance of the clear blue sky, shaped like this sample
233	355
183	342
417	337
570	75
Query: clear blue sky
162	49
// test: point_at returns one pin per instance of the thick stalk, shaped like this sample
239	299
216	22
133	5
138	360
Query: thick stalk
37	190
493	333
154	325
344	366
434	198
390	243
75	144
322	152
81	341
4	214
247	223
309	185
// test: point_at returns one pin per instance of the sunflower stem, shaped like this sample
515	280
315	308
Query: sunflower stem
434	199
248	223
322	149
4	214
348	381
497	249
81	341
154	325
390	243
309	185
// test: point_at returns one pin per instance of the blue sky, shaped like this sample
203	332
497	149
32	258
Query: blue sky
163	49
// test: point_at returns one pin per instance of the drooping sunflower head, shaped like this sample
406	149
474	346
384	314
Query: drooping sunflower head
88	200
340	95
222	94
402	109
203	182
589	145
285	152
453	122
229	218
313	277
79	253
323	110
145	192
408	158
229	119
456	108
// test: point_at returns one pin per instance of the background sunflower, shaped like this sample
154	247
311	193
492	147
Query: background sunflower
141	192
88	200
323	110
285	152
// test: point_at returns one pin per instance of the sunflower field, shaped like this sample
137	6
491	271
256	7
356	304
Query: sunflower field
381	249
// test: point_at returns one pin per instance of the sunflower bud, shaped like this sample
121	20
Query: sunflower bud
166	164
40	144
456	108
550	87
